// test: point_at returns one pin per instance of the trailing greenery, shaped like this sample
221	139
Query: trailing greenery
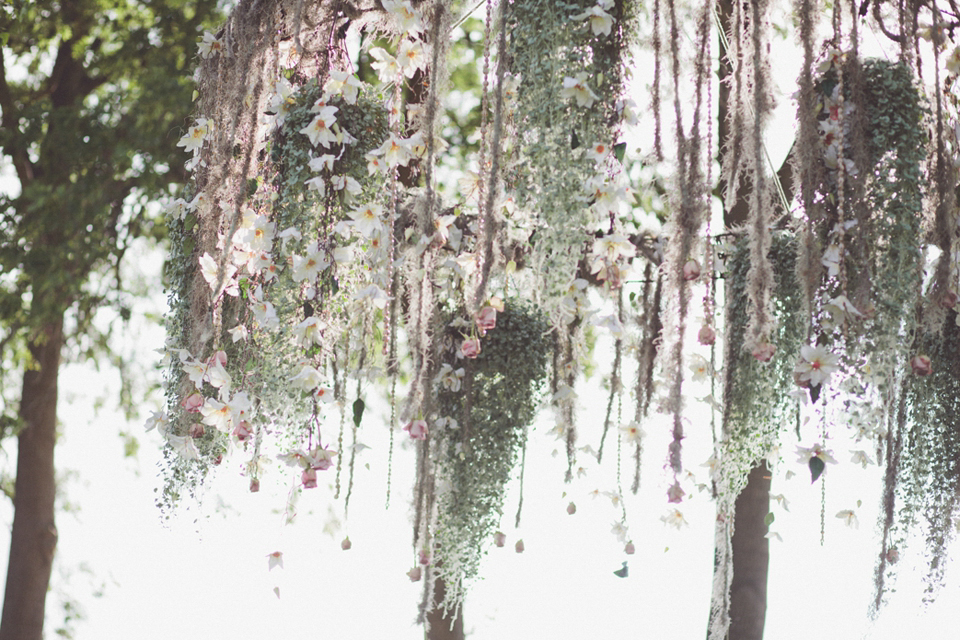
500	395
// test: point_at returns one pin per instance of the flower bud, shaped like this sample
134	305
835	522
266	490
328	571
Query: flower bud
571	509
470	348
764	352
921	365
197	430
254	485
309	479
691	270
519	546
706	336
346	544
629	549
499	538
415	574
193	402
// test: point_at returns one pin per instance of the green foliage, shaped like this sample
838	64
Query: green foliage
758	405
499	399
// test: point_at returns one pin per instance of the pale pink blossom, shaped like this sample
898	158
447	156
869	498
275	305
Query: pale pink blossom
417	429
193	402
309	479
486	319
691	270
921	365
519	546
345	544
707	336
470	348
499	538
571	509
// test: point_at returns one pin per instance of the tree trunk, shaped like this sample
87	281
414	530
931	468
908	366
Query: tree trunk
751	557
34	537
438	624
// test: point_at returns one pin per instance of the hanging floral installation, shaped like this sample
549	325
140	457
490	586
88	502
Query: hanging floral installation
339	241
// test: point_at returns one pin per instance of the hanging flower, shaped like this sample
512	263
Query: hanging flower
275	559
632	433
921	365
499	538
629	549
193	139
319	130
209	45
675	493
486	319
601	22
308	479
571	509
417	429
384	64
308	267
815	365
707	336
451	379
519	546
861	457
193	402
196	431
691	270
578	89
815	458
470	348
415	574
410	57
345	84
849	518
345	544
674	518
700	367
243	430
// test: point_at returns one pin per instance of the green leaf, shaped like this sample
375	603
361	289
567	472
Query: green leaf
816	468
574	139
358	406
620	150
768	519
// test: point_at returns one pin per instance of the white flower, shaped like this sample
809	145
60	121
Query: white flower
349	183
385	65
450	378
308	267
849	518
816	451
193	139
209	45
632	433
345	84
322	162
238	333
307	379
620	530
309	332
408	18
217	414
600	20
280	102
366	219
373	293
674	518
578	89
395	151
410	57
319	130
815	365
861	457
265	314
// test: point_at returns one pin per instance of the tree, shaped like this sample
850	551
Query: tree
309	240
92	141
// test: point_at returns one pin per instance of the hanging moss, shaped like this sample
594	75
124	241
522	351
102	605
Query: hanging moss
501	392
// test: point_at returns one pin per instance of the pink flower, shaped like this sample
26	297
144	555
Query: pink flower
418	429
691	270
470	348
415	574
193	402
629	549
499	538
197	430
309	479
706	336
675	493
571	509
220	357
424	557
764	351
893	555
486	319
254	485
519	546
321	459
243	430
346	544
921	365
